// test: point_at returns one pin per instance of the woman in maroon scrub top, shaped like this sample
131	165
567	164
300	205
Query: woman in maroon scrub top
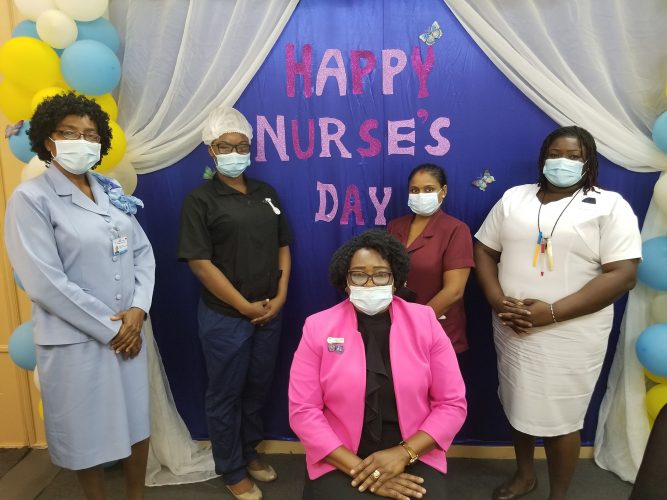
440	248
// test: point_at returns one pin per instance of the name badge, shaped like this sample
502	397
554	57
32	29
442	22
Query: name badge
336	344
119	245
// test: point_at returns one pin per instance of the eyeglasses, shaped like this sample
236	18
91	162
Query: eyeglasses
360	278
222	148
73	135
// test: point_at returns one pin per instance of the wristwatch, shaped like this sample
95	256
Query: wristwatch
411	452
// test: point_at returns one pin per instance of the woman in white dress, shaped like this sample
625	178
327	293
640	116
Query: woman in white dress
552	258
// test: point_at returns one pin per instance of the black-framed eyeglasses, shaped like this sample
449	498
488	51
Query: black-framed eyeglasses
222	148
360	278
74	135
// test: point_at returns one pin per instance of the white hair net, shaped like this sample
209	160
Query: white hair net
223	120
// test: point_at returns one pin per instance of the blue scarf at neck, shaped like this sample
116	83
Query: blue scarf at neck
118	199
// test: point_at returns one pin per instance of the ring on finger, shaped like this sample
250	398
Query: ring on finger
376	474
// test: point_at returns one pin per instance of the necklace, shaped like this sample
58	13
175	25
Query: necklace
544	246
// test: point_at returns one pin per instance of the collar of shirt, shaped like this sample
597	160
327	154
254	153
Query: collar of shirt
224	189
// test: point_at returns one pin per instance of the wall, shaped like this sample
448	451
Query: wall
20	424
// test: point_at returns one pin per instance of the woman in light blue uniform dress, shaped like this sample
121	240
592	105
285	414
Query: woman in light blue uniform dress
89	270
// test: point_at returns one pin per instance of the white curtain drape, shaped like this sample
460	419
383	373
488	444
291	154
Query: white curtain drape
181	59
599	64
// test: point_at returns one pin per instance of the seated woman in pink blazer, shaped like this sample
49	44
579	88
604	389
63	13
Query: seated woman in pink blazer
375	391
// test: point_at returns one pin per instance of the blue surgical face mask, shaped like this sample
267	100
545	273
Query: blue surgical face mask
232	164
562	172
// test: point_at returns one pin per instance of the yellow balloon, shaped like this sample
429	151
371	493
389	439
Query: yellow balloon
42	94
40	409
126	176
29	63
14	101
107	103
655	378
117	150
656	398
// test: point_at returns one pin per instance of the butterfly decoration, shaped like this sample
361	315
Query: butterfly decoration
15	129
484	180
432	34
209	173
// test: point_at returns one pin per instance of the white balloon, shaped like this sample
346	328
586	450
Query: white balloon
659	308
57	29
126	176
35	379
660	194
34	168
87	10
33	8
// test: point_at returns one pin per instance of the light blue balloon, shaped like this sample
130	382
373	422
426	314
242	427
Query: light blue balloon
19	144
18	280
652	270
90	67
651	349
22	347
101	30
26	28
660	132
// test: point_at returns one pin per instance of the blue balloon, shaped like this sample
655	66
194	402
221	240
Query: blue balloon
660	132
26	28
652	270
20	143
90	67
101	30
22	347
651	348
18	280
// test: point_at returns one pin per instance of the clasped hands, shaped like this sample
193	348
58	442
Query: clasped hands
263	311
127	341
520	315
392	481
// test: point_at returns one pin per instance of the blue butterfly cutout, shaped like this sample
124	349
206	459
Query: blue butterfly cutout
484	180
432	35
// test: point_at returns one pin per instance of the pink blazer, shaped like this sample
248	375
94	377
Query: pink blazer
327	389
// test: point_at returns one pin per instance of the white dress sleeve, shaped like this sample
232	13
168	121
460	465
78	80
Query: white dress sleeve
619	234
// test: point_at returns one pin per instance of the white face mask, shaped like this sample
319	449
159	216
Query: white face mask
424	203
77	156
371	299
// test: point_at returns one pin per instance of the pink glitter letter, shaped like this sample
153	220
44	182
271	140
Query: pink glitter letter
380	207
374	145
389	71
321	214
358	71
337	72
395	137
442	147
422	69
326	137
278	137
304	68
352	194
300	154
